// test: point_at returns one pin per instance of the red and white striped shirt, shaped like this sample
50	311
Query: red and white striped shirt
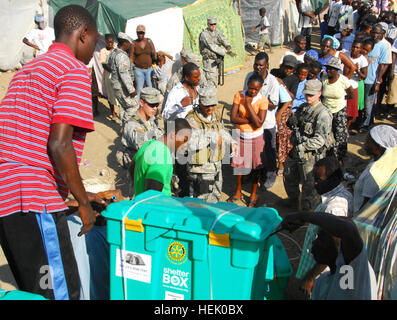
53	88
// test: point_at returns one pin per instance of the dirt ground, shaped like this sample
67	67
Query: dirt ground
99	163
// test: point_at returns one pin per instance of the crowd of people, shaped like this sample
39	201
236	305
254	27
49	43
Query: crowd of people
292	121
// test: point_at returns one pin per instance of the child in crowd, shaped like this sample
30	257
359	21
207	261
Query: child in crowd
264	25
361	62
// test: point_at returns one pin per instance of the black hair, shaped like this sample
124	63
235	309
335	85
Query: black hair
120	42
316	65
255	78
332	167
176	125
369	41
358	40
188	69
298	38
302	66
110	36
328	39
262	55
71	18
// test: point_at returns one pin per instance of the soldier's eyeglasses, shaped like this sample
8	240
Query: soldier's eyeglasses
153	105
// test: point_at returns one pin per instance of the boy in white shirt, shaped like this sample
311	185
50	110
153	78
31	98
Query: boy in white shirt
263	32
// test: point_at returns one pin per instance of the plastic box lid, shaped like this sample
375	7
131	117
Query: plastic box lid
153	208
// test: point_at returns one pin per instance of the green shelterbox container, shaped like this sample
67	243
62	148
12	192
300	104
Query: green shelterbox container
184	248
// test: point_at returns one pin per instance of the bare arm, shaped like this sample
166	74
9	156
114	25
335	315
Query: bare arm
349	93
60	146
30	44
256	119
349	66
235	118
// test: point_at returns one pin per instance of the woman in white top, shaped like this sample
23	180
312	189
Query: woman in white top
359	74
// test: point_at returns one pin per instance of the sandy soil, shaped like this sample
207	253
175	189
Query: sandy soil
99	163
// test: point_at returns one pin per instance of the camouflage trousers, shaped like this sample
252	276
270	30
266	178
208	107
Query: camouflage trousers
339	129
210	72
298	172
126	102
208	185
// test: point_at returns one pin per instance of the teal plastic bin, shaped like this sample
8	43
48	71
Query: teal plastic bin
19	295
275	289
166	248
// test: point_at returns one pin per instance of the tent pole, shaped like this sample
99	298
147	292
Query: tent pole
239	7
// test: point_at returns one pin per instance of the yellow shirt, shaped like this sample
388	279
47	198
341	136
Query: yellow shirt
334	94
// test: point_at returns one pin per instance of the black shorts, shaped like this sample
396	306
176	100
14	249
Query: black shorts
40	254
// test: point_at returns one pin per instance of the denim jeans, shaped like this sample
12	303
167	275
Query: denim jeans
369	101
142	77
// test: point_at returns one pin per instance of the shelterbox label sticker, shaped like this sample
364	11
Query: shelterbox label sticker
133	265
173	296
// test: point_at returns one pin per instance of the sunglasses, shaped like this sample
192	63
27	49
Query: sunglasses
212	24
140	32
153	105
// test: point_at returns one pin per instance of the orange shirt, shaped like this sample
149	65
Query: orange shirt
258	103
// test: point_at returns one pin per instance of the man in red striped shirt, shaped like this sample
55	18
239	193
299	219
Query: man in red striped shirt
44	118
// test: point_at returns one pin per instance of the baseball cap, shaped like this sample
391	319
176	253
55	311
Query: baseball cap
150	95
141	27
122	35
38	18
290	61
207	96
313	86
211	20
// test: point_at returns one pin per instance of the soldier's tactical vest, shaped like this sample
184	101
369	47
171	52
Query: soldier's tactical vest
206	155
307	123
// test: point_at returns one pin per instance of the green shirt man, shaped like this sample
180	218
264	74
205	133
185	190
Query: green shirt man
152	166
153	161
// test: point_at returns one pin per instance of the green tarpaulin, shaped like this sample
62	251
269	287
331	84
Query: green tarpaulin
112	15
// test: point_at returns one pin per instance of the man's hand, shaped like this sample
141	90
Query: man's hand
306	285
114	195
88	217
376	87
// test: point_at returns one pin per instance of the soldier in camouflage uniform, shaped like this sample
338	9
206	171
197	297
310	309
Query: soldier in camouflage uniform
311	139
206	148
213	47
142	126
123	75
